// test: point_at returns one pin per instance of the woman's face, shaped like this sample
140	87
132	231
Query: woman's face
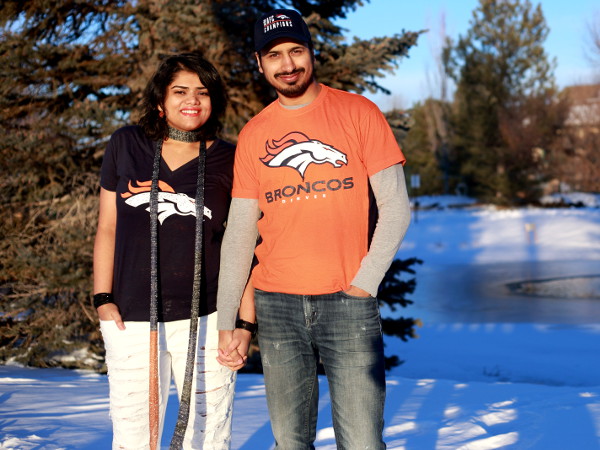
187	103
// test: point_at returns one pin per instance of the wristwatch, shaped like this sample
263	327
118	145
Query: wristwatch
248	326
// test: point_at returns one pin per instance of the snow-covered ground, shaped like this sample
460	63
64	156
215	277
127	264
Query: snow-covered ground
492	367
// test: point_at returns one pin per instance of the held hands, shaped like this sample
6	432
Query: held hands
110	311
233	348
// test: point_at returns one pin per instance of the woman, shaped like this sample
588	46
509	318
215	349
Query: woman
156	179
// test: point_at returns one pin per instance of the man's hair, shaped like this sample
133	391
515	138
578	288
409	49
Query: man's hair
155	93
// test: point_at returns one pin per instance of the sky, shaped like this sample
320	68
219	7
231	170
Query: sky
489	369
567	40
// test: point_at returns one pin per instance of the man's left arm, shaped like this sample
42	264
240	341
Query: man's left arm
391	196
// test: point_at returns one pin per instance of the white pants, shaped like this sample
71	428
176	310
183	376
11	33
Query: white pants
127	359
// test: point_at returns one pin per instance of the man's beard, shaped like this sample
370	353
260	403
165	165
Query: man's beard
295	90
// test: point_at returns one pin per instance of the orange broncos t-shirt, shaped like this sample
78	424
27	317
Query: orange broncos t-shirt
309	170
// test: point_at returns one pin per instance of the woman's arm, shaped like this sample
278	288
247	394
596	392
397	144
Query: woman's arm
104	254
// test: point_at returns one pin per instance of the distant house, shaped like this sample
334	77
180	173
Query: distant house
581	138
584	111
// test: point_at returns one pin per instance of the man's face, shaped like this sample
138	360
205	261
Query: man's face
288	67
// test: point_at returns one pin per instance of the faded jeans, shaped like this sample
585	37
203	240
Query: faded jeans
345	333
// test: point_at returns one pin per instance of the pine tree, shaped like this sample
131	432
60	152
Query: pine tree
63	90
73	72
427	145
392	293
501	69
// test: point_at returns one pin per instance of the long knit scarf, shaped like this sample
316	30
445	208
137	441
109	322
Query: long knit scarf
184	406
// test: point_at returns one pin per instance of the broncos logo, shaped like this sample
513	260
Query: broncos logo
169	202
297	151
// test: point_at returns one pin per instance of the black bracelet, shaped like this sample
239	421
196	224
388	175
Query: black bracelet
102	299
248	326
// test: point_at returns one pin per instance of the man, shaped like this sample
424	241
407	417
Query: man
301	180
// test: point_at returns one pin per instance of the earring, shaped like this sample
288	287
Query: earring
161	114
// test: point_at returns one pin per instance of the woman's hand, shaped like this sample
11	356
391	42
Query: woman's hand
110	311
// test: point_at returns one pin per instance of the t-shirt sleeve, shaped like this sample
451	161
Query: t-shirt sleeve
108	173
380	149
245	181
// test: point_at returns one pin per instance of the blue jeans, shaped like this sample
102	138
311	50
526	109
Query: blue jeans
345	333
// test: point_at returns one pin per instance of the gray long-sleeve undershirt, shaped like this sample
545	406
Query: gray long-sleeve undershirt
389	188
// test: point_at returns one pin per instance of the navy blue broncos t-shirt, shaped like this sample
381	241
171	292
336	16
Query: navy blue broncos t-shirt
127	170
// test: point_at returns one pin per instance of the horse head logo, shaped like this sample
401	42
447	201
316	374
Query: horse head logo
297	151
169	201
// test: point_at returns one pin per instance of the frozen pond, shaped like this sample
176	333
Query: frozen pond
564	287
566	292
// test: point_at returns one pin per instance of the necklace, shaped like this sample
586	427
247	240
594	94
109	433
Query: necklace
184	136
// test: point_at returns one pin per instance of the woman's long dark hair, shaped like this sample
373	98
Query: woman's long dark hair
156	91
